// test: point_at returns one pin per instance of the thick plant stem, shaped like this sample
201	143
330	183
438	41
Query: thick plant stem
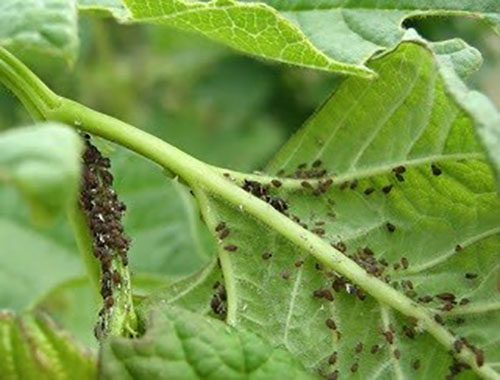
208	179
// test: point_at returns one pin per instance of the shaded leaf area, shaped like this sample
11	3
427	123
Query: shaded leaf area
32	347
287	31
185	345
429	229
46	27
42	161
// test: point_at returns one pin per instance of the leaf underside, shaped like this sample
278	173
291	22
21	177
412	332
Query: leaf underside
445	211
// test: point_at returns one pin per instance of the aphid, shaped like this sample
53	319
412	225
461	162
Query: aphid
306	185
458	345
116	278
281	172
340	246
409	331
470	276
328	295
447	307
374	348
332	359
220	226
426	299
387	189
390	227
109	302
267	255
224	233
479	356
446	296
302	166
318	293
458	248
343	185
369	191
299	263
330	323
389	336
400	178
359	348
360	294
396	266
350	288
399	169
354	367
416	364
285	275
353	184
438	319
464	301
320	223
333	376
404	262
317	164
227	175
276	183
397	354
231	248
318	231
435	170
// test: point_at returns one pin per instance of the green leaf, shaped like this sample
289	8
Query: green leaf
327	35
34	26
106	7
184	345
252	28
31	347
43	162
32	261
445	214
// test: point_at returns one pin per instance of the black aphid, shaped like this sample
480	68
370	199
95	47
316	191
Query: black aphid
332	359
389	336
224	233
458	345
387	189
404	262
340	246
267	255
359	348
397	354
399	169
464	301
369	191
471	276
438	319
435	170
390	227
458	248
416	364
231	248
479	356
375	348
354	367
446	296
353	184
299	263
317	164
318	231
306	185
330	323
285	275
333	376
276	183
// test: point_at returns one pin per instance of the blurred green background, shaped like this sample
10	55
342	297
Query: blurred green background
222	107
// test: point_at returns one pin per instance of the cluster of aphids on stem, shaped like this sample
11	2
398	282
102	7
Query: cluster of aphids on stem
318	181
104	212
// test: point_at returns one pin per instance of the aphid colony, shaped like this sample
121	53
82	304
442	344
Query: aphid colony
104	212
219	298
365	257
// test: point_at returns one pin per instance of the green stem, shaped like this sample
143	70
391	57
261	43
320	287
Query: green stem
206	178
